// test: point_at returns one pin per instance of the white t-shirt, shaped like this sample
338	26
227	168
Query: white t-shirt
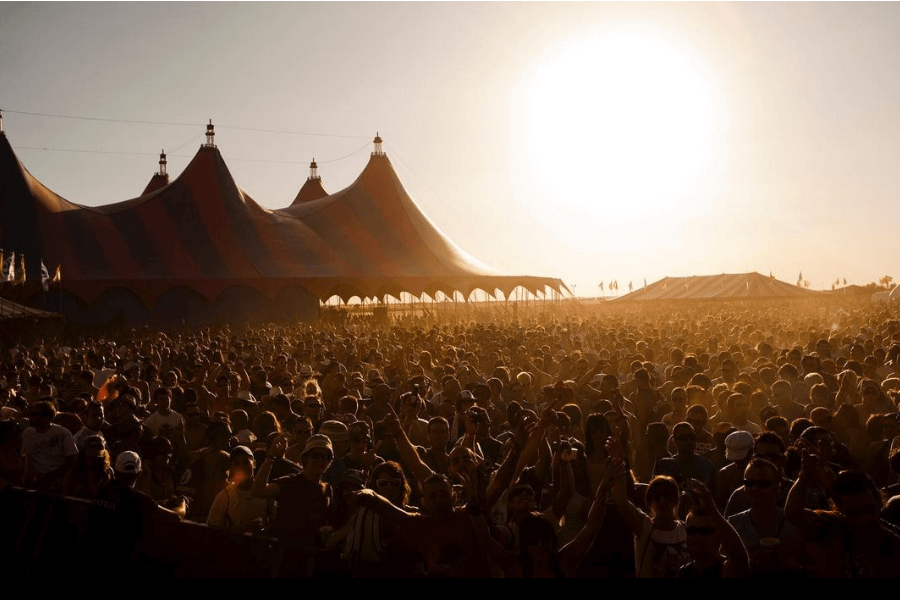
155	422
48	451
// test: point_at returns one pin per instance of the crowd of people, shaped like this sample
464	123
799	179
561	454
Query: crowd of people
692	441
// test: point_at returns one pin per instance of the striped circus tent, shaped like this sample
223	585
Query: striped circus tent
744	286
200	245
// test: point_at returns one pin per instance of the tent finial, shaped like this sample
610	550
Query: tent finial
313	170
378	149
162	162
210	135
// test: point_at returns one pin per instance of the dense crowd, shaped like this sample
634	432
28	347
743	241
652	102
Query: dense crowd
677	441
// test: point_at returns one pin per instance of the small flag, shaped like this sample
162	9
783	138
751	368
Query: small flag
601	286
845	281
57	277
630	287
645	282
45	277
20	276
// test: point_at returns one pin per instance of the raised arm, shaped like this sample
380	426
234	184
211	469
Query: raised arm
406	449
737	561
574	552
261	486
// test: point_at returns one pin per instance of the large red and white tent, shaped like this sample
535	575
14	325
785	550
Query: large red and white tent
201	243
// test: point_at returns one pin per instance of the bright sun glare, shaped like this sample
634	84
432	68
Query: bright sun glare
620	128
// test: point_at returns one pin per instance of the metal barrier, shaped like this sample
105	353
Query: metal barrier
42	535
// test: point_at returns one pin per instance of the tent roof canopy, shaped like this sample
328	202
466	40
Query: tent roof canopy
744	286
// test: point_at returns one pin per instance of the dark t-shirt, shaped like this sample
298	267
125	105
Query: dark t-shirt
303	508
120	518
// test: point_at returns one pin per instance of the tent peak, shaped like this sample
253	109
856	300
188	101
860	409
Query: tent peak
1	121
313	171
162	163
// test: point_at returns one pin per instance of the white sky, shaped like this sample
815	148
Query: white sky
802	172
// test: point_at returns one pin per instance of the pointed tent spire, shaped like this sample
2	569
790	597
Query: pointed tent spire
162	163
313	171
210	135
379	151
1	121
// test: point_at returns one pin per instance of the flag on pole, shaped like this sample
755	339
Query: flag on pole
45	277
630	287
9	268
601	286
645	282
20	276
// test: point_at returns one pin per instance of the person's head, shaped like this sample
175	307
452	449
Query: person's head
94	452
265	424
389	480
771	447
218	434
41	415
596	431
437	496
242	465
697	416
738	407
738	446
538	543
858	498
662	495
684	437
762	482
702	536
657	438
438	432
313	408
339	434
128	467
521	499
359	437
317	455
462	460
782	392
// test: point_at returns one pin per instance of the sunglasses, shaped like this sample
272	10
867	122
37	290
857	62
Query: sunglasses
759	483
697	530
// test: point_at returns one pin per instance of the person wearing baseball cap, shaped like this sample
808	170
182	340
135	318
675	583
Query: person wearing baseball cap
739	451
305	499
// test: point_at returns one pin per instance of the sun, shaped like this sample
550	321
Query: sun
620	128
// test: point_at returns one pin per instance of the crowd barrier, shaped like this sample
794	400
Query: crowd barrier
43	535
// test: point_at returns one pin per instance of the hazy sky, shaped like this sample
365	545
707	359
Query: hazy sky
587	141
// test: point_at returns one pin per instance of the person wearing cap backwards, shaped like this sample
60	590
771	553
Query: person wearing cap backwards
305	500
738	450
121	517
